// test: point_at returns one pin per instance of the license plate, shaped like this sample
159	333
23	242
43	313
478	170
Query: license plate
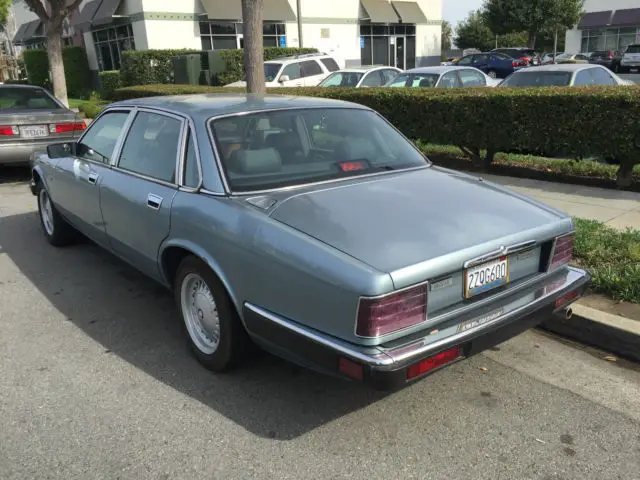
34	131
486	277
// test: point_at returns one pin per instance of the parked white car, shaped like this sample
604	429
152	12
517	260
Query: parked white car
305	70
367	76
564	75
443	77
631	59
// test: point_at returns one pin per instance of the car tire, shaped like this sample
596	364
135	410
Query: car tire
492	74
210	321
55	228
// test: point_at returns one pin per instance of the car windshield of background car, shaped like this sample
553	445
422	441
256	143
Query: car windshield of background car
538	79
26	99
267	150
633	49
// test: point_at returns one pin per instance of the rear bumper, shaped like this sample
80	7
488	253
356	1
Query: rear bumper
385	367
18	153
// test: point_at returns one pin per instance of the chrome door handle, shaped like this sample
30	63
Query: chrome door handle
154	201
93	178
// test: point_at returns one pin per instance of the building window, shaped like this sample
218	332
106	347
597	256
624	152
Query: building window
393	45
219	35
615	39
110	43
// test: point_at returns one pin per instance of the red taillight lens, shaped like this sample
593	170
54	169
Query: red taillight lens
433	362
9	130
67	127
562	251
611	55
379	316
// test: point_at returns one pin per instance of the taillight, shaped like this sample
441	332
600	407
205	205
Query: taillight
9	130
611	55
379	316
433	362
67	127
562	252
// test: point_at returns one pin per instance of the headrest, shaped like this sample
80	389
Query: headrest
251	162
426	82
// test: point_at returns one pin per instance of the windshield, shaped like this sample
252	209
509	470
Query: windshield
271	71
342	79
633	49
18	98
415	80
274	149
538	79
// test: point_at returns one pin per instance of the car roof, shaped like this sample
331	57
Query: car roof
561	67
301	57
209	105
365	68
438	70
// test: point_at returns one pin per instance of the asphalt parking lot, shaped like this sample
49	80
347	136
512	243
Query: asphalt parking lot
97	383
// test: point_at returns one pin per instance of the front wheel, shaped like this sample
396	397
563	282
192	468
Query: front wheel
492	74
212	326
55	228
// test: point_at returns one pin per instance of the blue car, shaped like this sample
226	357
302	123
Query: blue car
494	64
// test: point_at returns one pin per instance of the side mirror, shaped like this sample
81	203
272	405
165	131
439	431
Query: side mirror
283	78
60	150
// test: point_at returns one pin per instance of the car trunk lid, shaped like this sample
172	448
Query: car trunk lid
34	125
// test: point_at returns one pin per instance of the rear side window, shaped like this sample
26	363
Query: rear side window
471	78
18	98
331	64
583	77
373	79
449	80
151	147
310	68
602	77
292	71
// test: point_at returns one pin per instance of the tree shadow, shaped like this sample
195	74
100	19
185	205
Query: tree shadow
135	318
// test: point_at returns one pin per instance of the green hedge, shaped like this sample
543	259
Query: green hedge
143	67
76	71
36	63
91	109
110	81
234	62
576	122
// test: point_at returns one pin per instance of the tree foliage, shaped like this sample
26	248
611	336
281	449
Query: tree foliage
5	5
474	33
446	37
531	16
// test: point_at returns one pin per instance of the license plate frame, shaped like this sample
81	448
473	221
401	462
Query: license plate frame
486	287
34	131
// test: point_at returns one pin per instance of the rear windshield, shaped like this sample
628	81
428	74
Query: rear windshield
342	79
16	98
275	149
633	49
415	80
537	79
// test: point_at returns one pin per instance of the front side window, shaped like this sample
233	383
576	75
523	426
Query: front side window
282	148
466	60
99	142
151	147
341	79
21	99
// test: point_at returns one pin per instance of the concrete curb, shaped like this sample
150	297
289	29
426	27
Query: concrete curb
615	334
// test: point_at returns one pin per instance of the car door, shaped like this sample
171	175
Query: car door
76	180
137	193
294	74
312	73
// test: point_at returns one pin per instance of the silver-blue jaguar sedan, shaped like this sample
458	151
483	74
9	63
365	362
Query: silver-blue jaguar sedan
310	227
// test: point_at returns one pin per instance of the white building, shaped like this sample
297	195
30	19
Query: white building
606	25
399	33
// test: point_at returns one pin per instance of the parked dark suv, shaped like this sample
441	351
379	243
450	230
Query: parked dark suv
526	54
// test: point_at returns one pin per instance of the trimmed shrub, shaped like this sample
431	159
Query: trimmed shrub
234	61
110	81
36	63
575	121
76	71
91	110
144	67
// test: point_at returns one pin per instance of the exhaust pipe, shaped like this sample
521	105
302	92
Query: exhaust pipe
565	313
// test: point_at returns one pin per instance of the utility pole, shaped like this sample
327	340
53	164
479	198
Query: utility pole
299	11
555	45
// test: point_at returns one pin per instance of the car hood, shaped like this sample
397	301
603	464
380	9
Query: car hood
398	220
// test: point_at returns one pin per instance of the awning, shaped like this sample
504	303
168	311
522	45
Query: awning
595	19
626	17
410	12
379	11
86	14
274	10
19	37
105	12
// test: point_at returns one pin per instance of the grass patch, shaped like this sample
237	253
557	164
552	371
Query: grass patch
562	166
612	257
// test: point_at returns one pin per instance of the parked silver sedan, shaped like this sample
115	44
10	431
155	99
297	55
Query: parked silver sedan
443	77
310	227
361	77
31	119
564	75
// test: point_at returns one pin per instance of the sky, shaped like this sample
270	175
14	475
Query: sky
455	10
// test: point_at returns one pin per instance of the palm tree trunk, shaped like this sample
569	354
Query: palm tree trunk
54	51
252	14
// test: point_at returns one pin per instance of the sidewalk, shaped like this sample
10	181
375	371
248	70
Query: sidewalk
617	209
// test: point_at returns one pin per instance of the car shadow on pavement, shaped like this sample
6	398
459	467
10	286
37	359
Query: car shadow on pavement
135	319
